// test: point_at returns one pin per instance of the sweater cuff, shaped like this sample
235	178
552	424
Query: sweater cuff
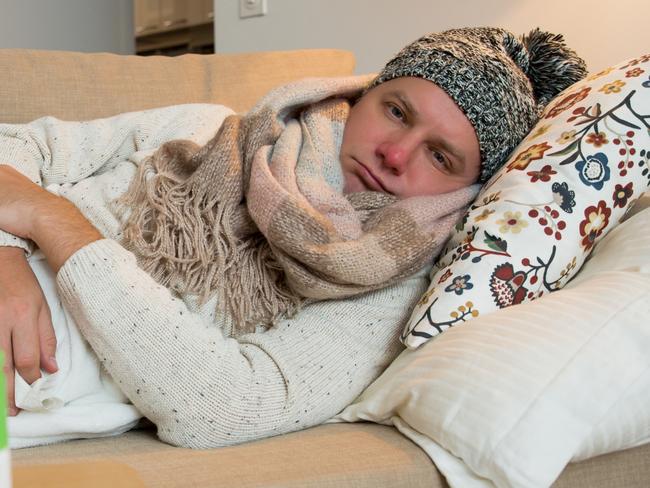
94	262
10	240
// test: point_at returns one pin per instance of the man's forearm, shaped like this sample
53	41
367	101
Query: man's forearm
52	222
60	230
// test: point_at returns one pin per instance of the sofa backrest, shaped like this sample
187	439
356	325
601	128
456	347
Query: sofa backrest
84	86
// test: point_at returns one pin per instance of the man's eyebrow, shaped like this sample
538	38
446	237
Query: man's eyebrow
444	144
401	96
455	152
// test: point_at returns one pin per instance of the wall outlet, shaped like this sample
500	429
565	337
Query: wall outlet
252	8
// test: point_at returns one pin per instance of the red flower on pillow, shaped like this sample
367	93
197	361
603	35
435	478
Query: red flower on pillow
445	276
596	220
507	286
543	174
524	158
567	102
597	139
634	72
622	194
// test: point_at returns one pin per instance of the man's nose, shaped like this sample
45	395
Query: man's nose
395	155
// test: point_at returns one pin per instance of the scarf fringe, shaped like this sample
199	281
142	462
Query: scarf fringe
186	242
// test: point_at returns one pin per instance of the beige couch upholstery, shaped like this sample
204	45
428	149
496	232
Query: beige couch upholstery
329	456
82	86
79	86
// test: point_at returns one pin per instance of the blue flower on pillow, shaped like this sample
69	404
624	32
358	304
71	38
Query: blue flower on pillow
459	285
594	171
564	197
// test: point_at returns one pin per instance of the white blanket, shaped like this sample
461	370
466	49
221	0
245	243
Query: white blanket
80	400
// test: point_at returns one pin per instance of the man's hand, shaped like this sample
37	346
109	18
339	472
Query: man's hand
59	230
26	333
52	222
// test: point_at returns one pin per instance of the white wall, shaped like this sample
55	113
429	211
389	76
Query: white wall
68	25
602	32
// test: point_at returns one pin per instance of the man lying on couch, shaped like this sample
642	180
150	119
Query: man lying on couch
255	282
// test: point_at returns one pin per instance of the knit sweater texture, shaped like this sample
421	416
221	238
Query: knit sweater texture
183	366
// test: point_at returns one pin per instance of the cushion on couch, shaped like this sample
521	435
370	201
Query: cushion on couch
536	221
84	86
363	456
512	397
344	455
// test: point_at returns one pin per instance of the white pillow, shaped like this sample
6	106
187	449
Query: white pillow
512	397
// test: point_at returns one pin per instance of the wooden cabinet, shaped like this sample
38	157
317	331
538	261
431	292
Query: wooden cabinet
173	26
201	12
174	14
146	16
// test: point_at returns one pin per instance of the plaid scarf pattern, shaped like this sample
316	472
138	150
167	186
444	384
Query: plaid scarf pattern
257	216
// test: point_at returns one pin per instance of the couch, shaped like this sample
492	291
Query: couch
78	86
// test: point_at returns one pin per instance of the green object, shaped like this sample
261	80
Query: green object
3	406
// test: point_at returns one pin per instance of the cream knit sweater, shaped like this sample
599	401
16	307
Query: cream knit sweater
178	363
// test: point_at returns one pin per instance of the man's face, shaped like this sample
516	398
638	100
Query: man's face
407	137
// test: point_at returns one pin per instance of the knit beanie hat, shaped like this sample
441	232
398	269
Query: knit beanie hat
500	82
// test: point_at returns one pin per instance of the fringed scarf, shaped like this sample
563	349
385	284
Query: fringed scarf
257	215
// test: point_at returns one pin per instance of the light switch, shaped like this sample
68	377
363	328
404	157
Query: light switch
252	8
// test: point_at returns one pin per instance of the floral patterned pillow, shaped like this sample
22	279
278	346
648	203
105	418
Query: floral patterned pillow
535	222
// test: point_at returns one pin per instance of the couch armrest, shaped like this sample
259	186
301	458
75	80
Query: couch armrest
83	86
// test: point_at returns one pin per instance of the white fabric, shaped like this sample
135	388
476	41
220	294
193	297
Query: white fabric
80	399
512	397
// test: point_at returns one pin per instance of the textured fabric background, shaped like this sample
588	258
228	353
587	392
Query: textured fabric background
39	83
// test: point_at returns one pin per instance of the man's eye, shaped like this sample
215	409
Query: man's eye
440	159
396	112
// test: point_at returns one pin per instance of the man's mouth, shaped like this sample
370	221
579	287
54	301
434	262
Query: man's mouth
371	181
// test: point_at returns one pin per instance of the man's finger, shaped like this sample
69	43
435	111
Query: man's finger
26	352
8	371
47	340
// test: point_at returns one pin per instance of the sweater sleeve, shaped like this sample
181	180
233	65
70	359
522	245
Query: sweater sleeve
52	151
203	389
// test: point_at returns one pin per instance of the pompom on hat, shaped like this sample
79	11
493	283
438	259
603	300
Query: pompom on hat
501	82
